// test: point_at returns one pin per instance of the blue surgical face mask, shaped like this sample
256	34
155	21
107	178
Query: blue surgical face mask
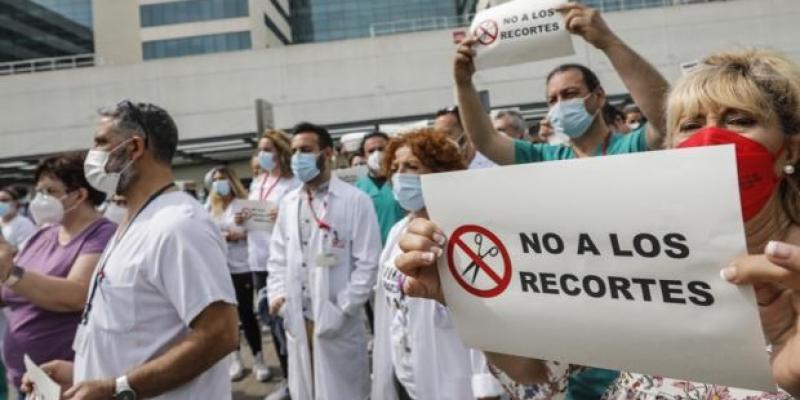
266	160
304	166
407	189
570	117
222	188
5	208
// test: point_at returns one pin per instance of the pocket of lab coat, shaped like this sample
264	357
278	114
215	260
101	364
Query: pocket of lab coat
330	320
114	307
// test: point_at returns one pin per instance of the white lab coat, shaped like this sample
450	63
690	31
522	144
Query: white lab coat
444	369
341	362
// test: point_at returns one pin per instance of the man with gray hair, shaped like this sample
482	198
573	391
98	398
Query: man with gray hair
160	317
510	123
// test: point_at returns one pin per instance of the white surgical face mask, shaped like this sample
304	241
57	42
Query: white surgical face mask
115	213
304	166
46	209
94	168
570	117
266	160
634	126
407	189
374	161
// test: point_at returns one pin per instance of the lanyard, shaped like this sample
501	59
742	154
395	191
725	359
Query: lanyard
117	239
319	220
263	196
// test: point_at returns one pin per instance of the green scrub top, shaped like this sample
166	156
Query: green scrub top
386	207
633	142
590	383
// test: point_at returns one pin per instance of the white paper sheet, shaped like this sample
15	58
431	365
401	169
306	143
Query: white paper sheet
544	231
44	387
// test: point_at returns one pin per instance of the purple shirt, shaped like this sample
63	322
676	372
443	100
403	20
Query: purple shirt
42	334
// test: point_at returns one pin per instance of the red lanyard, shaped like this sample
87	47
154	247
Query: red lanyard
263	196
320	222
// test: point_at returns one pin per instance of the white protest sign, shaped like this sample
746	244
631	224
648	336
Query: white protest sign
44	388
520	31
257	214
609	262
351	175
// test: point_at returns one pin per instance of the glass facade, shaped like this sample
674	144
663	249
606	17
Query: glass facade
79	11
323	20
196	45
178	12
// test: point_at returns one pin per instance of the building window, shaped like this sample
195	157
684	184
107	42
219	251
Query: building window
180	12
196	45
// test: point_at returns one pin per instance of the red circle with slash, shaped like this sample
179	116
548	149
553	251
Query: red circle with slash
487	32
501	281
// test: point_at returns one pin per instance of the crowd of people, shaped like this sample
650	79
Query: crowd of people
125	287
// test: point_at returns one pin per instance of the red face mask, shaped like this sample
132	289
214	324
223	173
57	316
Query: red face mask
756	165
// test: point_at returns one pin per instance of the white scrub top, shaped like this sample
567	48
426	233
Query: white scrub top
166	269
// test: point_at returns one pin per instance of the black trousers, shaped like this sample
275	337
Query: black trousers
275	325
243	284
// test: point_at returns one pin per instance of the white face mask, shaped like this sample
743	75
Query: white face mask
46	209
374	161
94	168
115	213
634	125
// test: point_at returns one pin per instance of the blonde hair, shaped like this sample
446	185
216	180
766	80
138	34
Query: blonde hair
216	201
283	147
762	83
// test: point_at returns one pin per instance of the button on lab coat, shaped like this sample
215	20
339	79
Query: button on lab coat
340	359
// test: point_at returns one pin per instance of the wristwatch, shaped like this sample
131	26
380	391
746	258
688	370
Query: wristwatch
14	276
123	390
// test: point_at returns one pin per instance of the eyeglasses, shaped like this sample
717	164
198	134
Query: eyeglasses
133	110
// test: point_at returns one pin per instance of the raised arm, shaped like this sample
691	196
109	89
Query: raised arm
497	147
645	84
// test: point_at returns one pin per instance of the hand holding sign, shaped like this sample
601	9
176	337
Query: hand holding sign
40	380
776	277
422	244
587	23
464	66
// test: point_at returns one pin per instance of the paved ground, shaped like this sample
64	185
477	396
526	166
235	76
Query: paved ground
249	388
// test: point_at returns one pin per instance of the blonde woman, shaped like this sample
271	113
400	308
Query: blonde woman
271	185
226	191
750	99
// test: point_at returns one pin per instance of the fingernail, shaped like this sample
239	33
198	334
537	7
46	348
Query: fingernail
439	239
728	274
428	256
779	250
438	251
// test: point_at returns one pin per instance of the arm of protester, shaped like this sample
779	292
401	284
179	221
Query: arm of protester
59	371
214	334
422	244
49	292
646	85
366	252
776	278
497	147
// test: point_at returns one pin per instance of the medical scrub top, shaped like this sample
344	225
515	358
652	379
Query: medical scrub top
590	383
386	207
633	142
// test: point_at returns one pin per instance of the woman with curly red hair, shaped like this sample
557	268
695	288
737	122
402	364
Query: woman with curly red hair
417	353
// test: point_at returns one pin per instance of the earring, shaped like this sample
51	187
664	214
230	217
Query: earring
788	169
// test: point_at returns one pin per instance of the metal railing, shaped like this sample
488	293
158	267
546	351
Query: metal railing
437	23
47	64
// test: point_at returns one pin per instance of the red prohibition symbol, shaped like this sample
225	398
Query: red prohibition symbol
489	247
487	32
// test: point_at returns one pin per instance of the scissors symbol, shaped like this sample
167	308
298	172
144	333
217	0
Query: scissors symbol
473	266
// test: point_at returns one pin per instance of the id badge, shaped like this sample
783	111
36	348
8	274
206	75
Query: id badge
326	260
81	339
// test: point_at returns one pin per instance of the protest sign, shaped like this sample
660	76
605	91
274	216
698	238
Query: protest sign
520	31
256	214
609	262
44	388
